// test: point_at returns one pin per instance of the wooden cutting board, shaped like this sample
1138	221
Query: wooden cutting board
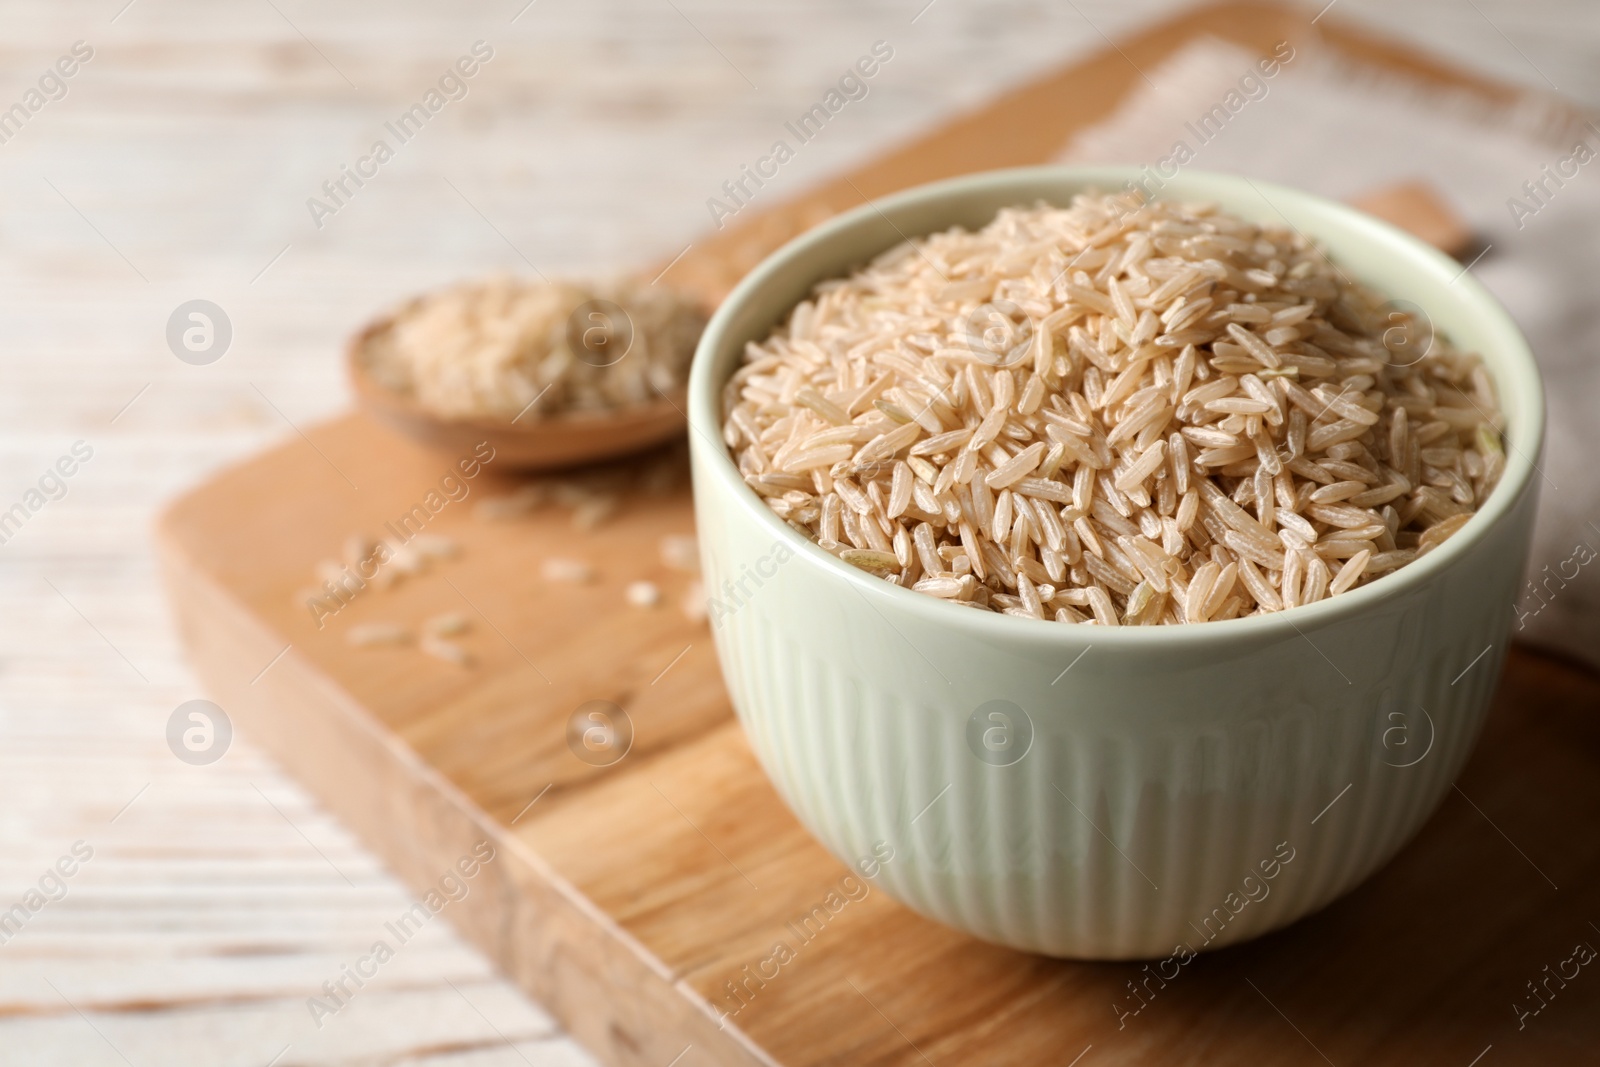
629	897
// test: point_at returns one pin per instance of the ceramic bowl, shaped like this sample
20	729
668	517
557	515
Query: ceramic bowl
1097	792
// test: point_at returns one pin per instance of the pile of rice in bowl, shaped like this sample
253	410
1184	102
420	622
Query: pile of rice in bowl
1117	412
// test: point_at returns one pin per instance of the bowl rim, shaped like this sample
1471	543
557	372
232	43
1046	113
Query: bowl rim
1513	362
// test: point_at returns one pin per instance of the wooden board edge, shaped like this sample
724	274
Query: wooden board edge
612	994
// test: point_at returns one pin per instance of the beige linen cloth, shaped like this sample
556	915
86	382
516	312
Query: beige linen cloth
1341	131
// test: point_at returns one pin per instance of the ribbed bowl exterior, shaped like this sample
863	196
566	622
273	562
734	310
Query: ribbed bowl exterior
1185	789
1151	789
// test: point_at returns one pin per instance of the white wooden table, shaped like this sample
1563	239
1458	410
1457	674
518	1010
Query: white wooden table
177	166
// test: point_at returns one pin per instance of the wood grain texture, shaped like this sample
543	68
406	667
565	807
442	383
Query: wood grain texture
180	162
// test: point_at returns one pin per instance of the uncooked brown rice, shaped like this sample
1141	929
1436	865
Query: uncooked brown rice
1114	413
505	348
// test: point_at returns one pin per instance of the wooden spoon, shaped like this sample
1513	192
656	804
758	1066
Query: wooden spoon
1421	210
526	442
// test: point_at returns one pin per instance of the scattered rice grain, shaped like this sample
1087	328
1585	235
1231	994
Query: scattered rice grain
448	651
643	594
568	570
367	634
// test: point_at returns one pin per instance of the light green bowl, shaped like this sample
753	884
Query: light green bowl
1149	771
